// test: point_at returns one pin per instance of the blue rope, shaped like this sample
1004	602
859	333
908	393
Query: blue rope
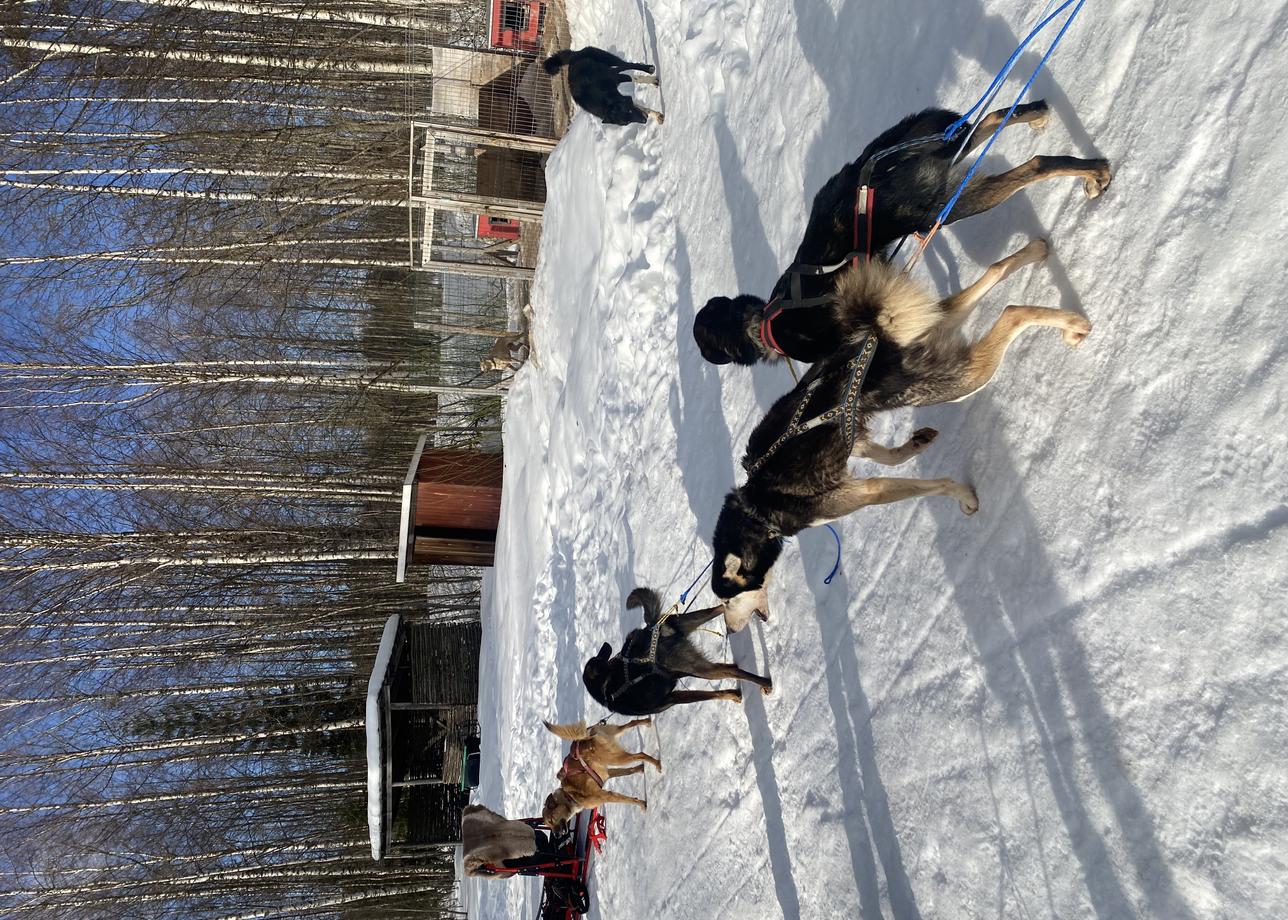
970	173
836	568
1002	74
684	595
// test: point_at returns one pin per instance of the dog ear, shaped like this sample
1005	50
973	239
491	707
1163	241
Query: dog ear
732	565
605	652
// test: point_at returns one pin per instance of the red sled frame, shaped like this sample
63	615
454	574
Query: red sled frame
565	893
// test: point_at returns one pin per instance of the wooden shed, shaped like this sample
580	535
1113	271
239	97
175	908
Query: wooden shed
422	719
451	502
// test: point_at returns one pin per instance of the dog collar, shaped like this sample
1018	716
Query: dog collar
768	315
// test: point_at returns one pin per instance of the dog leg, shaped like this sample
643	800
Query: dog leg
958	307
986	354
646	80
859	493
685	623
614	730
733	672
893	456
646	758
990	191
608	797
656	116
680	697
625	771
1034	114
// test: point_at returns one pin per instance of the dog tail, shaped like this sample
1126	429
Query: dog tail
877	296
573	731
553	64
649	600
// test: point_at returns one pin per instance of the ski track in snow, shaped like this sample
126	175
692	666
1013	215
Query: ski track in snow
1070	705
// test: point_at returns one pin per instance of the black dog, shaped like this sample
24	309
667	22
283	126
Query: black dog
593	77
641	679
897	346
911	186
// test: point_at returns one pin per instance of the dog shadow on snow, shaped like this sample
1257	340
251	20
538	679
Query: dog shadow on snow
705	457
1036	668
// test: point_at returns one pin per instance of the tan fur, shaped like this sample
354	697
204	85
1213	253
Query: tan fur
907	312
601	752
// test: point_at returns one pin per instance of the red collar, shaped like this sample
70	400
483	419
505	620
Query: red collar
767	329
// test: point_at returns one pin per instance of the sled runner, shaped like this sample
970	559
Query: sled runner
561	858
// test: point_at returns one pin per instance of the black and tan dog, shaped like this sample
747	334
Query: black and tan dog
797	474
641	679
911	186
593	78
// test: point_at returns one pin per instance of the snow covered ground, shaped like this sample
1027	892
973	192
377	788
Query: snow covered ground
1070	705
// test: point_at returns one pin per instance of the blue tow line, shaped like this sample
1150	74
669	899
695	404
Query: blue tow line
956	126
684	595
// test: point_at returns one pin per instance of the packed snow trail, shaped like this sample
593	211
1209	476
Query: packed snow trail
1070	705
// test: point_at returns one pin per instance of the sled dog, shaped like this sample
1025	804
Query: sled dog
593	78
641	679
910	187
916	356
595	758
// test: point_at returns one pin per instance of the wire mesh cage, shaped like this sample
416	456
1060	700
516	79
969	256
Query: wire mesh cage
476	179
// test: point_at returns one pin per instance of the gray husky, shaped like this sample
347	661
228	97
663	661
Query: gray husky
914	354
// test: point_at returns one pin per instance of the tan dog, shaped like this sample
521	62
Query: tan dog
595	752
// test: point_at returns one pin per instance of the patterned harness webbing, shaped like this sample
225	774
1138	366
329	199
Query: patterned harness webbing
648	660
574	763
845	410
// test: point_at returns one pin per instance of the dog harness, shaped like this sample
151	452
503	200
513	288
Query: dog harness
648	660
792	298
864	206
845	410
575	763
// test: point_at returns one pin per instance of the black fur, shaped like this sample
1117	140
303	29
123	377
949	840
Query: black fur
594	76
782	497
608	677
911	187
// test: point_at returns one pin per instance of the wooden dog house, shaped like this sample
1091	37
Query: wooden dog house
451	502
421	722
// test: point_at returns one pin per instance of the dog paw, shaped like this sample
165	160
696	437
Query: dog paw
658	765
763	614
1039	115
922	438
732	696
1095	186
767	689
643	806
1076	331
970	504
1037	250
